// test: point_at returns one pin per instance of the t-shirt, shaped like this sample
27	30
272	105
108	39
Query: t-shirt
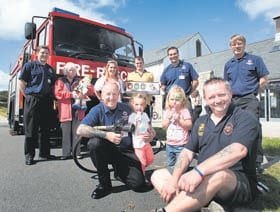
175	133
142	124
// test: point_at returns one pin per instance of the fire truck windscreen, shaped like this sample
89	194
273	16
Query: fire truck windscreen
82	40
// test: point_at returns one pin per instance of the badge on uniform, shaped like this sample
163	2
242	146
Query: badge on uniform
201	128
181	77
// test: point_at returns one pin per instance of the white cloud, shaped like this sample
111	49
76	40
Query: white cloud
14	13
255	8
4	80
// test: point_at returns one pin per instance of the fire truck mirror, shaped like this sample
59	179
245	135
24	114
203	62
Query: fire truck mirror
30	31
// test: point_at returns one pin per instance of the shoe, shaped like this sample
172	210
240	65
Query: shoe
29	161
65	157
76	106
48	157
83	107
147	186
159	210
259	168
100	191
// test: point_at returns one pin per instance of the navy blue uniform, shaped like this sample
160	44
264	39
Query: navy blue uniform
181	75
237	126
243	75
104	152
37	106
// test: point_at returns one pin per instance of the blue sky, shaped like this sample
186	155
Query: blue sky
152	22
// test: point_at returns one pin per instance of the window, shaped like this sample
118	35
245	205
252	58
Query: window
72	38
198	48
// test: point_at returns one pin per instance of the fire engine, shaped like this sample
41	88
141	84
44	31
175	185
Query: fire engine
71	38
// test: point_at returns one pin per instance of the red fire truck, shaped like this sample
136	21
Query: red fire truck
87	43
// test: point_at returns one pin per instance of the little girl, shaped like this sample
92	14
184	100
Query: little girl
142	124
178	121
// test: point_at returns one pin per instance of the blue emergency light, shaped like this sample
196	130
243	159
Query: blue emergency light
56	9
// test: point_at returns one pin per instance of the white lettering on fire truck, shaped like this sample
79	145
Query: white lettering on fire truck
83	70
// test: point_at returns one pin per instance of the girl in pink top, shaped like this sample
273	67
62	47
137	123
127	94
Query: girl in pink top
177	120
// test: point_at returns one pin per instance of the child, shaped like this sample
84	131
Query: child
142	125
82	88
177	120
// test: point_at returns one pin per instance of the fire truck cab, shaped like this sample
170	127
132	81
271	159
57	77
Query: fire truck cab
87	43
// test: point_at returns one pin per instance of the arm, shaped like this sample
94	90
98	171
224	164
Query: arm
262	83
22	86
60	91
98	86
222	160
169	190
89	132
166	119
195	84
184	119
162	87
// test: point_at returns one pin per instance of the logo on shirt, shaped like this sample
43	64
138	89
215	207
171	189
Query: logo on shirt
228	129
201	128
124	115
249	62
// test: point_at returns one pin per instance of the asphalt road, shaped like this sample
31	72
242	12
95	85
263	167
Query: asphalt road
60	185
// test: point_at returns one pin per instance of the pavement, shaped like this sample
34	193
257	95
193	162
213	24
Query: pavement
61	186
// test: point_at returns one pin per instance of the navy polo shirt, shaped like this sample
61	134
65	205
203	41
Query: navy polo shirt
101	115
39	78
237	126
181	75
244	74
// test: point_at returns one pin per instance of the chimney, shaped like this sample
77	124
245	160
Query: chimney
277	25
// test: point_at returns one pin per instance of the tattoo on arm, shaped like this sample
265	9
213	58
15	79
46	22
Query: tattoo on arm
90	132
226	151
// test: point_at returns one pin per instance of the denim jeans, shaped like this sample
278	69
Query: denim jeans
172	153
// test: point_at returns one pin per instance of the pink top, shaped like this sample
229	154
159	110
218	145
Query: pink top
176	134
63	96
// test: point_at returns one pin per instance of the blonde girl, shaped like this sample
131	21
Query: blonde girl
177	120
140	119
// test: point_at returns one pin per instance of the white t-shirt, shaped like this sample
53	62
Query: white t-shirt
142	124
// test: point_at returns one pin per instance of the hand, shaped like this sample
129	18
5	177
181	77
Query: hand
176	116
75	95
168	191
189	181
149	135
114	137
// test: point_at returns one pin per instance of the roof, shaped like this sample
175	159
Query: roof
158	54
268	49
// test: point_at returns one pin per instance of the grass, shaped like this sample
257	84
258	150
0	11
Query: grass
3	111
267	202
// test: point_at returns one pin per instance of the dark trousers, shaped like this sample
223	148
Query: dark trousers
252	105
128	167
37	121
